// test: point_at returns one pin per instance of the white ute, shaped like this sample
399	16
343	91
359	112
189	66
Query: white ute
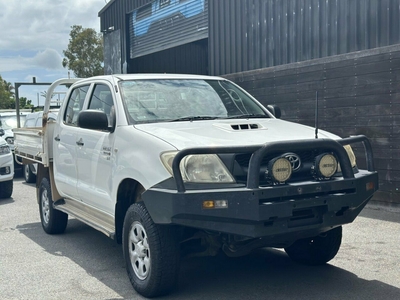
172	165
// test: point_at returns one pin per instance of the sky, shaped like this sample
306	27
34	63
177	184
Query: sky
33	36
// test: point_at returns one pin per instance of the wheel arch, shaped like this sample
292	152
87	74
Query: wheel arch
47	172
129	192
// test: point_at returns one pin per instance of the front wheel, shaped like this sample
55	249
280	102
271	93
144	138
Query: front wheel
151	253
316	250
53	221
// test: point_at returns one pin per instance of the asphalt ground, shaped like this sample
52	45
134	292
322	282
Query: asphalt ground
83	263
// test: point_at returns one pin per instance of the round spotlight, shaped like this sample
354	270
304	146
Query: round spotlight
326	166
280	169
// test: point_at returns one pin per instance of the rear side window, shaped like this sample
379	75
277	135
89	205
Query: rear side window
75	104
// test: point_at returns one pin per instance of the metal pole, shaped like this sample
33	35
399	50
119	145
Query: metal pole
17	85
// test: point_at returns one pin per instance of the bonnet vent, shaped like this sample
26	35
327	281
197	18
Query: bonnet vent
244	126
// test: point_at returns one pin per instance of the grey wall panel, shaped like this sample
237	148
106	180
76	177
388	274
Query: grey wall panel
253	34
359	93
112	53
189	59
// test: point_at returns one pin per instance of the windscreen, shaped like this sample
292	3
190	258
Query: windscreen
164	100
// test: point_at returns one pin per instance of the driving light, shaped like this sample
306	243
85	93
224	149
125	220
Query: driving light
279	170
325	166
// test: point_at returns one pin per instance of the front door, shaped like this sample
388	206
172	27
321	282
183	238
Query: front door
95	156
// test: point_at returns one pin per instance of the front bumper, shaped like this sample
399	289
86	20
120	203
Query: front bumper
6	167
297	209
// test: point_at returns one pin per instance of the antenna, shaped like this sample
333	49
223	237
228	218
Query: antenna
316	114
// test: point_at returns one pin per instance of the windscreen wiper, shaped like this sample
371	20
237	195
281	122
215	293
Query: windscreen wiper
193	118
248	116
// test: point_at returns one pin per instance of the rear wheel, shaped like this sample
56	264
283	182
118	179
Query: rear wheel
53	221
6	189
151	253
28	174
317	250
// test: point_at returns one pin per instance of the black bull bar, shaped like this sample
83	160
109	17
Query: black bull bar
258	152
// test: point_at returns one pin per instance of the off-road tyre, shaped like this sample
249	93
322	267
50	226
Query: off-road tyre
53	221
6	189
317	250
151	253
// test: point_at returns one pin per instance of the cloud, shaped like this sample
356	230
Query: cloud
48	59
34	34
40	24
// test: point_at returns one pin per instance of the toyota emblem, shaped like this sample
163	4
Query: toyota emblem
294	160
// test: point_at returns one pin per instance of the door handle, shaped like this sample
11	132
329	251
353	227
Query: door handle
80	142
57	138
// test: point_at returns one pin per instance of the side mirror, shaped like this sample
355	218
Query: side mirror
1	132
93	119
275	110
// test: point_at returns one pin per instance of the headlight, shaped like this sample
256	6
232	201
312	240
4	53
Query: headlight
4	149
10	140
204	168
351	156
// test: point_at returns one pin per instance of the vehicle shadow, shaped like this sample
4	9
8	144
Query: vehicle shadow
265	274
381	213
7	201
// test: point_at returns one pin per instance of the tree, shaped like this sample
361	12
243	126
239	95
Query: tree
84	55
6	94
25	103
9	87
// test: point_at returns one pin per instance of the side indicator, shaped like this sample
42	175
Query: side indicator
370	186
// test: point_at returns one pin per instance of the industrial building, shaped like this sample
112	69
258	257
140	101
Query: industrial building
346	53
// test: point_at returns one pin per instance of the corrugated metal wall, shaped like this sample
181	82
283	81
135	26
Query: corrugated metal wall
253	34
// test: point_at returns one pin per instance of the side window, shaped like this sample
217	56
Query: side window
75	104
102	99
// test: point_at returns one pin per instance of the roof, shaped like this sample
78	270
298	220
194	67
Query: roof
146	76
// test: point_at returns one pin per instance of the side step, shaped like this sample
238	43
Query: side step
98	220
